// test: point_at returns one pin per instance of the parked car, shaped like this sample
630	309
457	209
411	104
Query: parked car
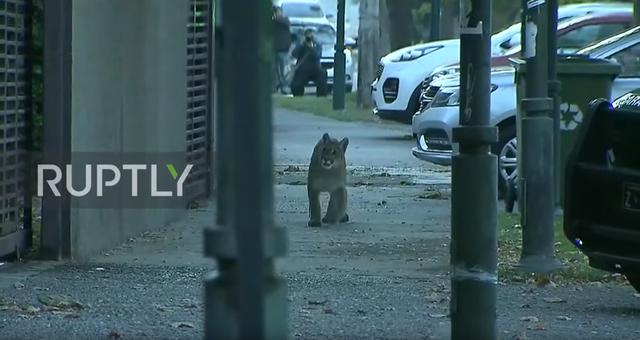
433	126
573	34
602	189
326	36
396	88
303	12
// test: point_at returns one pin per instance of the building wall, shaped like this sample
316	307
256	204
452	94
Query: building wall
128	95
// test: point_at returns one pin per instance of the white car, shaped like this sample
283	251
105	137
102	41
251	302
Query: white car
434	125
396	88
303	12
327	61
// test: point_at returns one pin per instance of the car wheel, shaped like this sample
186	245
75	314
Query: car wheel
414	105
634	280
507	152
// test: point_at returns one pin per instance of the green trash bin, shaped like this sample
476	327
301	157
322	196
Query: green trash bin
582	80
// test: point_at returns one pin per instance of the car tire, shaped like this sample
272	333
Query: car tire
506	149
634	280
413	106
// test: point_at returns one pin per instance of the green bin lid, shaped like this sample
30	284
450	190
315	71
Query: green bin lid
577	64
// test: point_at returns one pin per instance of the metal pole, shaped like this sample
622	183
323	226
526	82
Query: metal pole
435	20
29	126
245	299
554	94
56	145
339	65
474	198
636	12
536	140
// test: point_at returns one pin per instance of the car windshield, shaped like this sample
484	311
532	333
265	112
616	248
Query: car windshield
501	40
595	47
302	10
561	26
324	35
509	38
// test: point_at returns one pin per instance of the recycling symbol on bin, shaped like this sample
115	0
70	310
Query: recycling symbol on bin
570	116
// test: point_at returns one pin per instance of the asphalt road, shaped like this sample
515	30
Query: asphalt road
384	275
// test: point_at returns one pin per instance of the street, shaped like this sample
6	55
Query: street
383	275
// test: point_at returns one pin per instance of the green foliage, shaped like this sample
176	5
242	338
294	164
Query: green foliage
504	13
576	265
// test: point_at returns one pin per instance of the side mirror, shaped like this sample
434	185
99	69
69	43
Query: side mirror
329	16
514	41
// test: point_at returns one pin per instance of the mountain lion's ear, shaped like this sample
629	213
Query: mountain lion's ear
326	138
344	143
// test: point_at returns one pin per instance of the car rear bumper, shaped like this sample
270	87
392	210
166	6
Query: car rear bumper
608	248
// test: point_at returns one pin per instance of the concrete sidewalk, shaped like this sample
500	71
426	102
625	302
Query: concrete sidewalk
384	275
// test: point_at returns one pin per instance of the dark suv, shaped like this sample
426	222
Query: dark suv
602	190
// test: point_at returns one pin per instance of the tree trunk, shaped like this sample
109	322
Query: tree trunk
403	30
368	49
450	24
385	38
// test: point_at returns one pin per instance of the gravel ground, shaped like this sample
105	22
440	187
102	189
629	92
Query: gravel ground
384	275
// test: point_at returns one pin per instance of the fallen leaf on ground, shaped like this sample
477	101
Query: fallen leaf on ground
433	195
329	311
563	318
543	280
12	307
99	269
435	297
529	319
318	302
521	336
114	335
182	324
538	326
60	302
437	316
30	309
554	300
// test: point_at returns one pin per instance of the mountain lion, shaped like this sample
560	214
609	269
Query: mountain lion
328	173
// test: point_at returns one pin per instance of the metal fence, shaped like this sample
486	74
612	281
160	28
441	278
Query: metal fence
198	98
14	125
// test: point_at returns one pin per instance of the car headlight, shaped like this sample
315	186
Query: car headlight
445	72
414	54
446	96
450	96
